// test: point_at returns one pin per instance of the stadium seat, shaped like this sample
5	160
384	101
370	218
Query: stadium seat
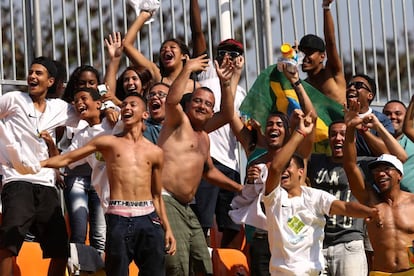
229	262
30	261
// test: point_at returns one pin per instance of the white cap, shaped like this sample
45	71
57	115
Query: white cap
388	159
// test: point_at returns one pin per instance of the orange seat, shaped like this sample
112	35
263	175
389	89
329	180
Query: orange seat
229	262
133	269
30	261
239	241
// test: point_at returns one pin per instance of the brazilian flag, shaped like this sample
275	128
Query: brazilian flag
272	91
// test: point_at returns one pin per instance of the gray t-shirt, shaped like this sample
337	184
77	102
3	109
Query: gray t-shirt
326	175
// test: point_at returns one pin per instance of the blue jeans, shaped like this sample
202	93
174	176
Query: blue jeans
345	259
135	238
82	203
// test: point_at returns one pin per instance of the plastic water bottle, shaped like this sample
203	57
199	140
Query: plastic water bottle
289	57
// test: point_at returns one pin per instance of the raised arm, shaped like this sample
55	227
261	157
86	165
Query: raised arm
355	178
305	148
333	62
174	113
283	156
392	145
225	115
408	126
115	48
133	53
197	35
249	137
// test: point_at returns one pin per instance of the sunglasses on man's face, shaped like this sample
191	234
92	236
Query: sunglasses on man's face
358	85
232	54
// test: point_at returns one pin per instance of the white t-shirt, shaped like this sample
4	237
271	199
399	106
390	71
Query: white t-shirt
99	177
296	230
24	122
223	143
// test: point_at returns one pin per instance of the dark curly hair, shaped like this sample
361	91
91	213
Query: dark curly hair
73	82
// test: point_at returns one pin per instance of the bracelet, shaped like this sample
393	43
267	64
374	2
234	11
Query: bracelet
296	83
301	132
226	83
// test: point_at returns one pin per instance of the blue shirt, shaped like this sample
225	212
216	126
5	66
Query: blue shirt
407	182
152	130
362	146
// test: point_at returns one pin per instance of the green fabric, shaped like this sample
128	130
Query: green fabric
273	92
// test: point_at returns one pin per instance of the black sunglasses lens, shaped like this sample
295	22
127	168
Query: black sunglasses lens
232	54
357	85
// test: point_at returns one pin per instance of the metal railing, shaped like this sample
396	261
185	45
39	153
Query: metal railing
374	36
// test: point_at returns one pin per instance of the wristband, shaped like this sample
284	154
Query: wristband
326	7
226	83
296	83
363	130
301	132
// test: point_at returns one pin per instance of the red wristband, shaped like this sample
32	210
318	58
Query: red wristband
301	132
363	129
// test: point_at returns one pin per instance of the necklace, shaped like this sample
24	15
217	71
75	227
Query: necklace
36	116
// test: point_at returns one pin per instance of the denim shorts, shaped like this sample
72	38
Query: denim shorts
139	238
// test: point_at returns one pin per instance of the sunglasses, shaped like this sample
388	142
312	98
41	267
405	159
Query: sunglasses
232	54
159	94
358	85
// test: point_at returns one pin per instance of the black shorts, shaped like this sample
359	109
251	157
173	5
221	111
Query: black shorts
35	208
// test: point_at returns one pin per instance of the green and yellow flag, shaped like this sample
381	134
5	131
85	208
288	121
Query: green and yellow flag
273	92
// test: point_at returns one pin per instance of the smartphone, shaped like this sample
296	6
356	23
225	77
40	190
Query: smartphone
102	89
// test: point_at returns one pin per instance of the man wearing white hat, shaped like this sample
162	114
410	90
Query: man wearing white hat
392	240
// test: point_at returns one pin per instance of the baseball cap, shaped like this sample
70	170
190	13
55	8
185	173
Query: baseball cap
311	41
389	160
48	64
231	44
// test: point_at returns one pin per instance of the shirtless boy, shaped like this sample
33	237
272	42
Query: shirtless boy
186	146
136	214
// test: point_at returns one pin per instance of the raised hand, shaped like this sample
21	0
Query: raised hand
306	123
370	121
351	114
196	64
114	45
290	72
326	2
294	117
238	64
226	70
